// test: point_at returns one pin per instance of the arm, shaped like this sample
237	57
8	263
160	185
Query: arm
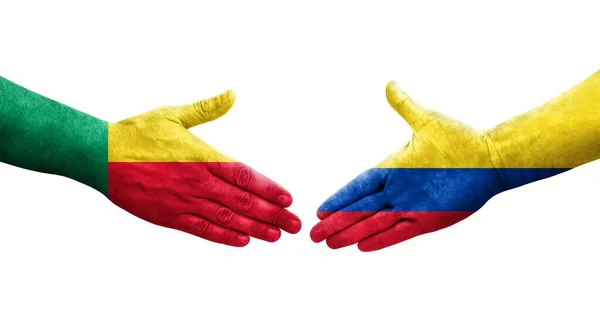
40	134
561	134
150	165
448	170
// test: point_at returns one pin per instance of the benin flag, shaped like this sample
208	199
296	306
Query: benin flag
159	171
150	165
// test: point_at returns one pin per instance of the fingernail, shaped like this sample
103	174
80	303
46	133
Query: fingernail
243	240
293	225
284	200
273	234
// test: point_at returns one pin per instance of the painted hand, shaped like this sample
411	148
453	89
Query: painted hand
441	176
162	173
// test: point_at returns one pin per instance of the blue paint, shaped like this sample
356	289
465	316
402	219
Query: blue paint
429	189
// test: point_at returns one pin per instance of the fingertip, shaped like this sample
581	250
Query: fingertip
284	200
332	244
323	214
293	225
219	105
394	94
366	247
273	234
208	109
242	240
332	204
228	96
223	104
316	234
391	86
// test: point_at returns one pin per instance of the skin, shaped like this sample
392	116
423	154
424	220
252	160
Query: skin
448	170
162	173
433	144
150	165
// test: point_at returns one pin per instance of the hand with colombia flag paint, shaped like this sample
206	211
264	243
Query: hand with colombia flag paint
448	170
150	165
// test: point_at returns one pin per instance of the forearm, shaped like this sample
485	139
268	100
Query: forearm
40	134
561	134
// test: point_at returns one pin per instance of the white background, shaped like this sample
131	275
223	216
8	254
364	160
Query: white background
311	114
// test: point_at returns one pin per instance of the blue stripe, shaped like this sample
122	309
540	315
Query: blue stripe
429	189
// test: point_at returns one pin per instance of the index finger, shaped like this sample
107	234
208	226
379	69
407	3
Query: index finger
367	183
244	177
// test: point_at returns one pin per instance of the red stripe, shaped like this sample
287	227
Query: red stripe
363	224
227	194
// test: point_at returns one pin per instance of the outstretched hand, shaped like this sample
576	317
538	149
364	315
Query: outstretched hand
162	173
441	176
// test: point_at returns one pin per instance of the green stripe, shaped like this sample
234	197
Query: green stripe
40	134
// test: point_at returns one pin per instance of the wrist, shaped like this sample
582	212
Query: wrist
543	142
511	154
85	157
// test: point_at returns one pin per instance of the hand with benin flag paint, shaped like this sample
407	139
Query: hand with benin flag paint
150	165
448	170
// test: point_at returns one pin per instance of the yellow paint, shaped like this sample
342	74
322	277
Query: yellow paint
162	135
563	133
438	141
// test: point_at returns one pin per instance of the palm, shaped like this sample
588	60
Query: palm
441	176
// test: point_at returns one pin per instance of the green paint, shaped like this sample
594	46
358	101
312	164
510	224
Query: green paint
40	134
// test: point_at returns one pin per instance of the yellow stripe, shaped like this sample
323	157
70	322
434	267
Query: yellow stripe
442	143
157	136
562	133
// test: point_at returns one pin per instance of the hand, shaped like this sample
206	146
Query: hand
162	173
441	176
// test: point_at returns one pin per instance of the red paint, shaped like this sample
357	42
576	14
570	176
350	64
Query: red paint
377	230
221	202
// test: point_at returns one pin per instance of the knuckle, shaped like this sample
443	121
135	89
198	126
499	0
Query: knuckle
354	188
243	202
224	215
423	226
269	189
243	176
202	228
275	216
372	226
210	186
254	227
227	238
201	108
258	229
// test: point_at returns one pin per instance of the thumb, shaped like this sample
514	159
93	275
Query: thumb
206	110
411	112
